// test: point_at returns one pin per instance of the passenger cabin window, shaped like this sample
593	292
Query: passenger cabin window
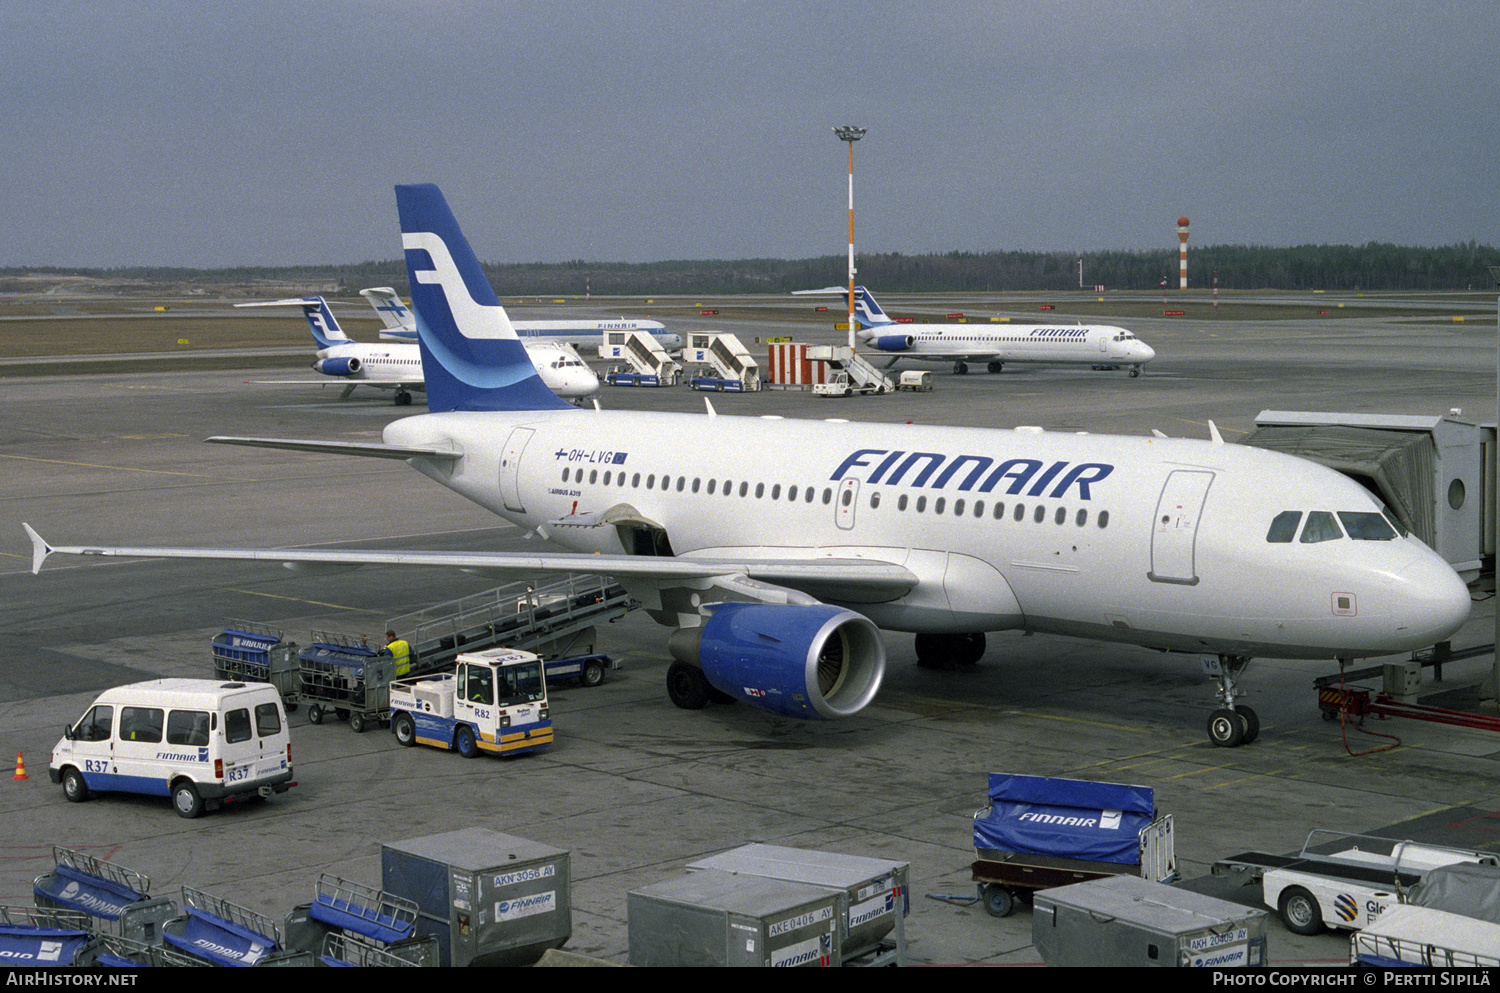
140	724
1284	527
1320	527
187	727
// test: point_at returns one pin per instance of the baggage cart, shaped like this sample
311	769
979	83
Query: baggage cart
222	933
252	652
346	677
45	937
1039	833
117	900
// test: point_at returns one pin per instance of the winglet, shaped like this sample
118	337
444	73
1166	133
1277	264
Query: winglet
39	548
1213	434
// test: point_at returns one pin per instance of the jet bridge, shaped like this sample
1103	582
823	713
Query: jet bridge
1432	472
646	363
729	364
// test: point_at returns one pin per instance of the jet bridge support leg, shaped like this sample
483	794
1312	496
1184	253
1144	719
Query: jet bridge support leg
1232	724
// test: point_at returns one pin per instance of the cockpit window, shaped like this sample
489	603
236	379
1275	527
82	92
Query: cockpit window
1320	527
1363	526
1284	526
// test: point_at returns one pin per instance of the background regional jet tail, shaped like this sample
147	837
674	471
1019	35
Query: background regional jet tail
471	357
399	324
325	329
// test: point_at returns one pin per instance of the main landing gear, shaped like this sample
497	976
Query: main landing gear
949	651
1232	724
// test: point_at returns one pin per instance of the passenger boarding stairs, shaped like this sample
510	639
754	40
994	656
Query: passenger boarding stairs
730	361
861	376
648	363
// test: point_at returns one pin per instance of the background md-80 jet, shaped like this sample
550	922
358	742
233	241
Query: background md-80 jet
777	549
398	366
1082	344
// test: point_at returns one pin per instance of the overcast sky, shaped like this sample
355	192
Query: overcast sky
270	133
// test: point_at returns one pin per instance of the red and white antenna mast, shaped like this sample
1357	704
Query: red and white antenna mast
1182	233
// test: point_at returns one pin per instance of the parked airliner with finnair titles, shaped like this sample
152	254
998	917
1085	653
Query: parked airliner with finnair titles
1098	345
778	574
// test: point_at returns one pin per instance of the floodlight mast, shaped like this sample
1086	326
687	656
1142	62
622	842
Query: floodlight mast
850	135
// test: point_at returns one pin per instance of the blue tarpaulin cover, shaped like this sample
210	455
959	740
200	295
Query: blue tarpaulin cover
22	945
1065	818
94	895
221	941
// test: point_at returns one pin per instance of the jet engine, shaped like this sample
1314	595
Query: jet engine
345	366
811	661
894	342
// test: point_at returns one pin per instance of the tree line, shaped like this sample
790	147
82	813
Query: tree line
1374	266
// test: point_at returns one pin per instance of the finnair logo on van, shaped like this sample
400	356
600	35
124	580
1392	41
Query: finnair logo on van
978	473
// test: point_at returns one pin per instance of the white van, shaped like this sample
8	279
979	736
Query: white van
197	741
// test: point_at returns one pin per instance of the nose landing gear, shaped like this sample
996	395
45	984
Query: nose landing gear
1232	724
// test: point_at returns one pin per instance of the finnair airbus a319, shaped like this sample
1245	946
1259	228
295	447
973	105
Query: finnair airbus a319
777	576
1082	344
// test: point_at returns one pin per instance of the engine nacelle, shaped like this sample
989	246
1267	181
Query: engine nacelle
812	661
343	366
894	342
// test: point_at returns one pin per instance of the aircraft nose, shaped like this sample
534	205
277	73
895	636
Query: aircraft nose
1436	599
1144	352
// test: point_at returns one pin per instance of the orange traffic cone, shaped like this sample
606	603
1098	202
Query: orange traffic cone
20	768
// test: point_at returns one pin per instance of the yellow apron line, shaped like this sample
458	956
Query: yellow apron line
294	599
116	468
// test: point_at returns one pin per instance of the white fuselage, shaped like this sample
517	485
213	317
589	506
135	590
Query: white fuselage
1156	542
1050	343
563	372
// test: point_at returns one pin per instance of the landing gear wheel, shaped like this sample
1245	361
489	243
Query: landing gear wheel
186	801
1225	728
403	398
465	742
405	729
998	901
960	368
74	787
1135	371
996	366
687	686
1252	724
1299	911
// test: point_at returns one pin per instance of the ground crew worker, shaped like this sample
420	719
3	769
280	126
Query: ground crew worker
400	651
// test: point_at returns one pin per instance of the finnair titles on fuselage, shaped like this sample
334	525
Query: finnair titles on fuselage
1100	345
776	549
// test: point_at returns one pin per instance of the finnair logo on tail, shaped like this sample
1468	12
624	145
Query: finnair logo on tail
474	319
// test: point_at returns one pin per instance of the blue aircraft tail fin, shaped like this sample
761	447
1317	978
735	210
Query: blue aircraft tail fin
867	311
471	358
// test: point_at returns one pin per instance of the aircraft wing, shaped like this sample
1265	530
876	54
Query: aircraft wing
340	448
870	578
